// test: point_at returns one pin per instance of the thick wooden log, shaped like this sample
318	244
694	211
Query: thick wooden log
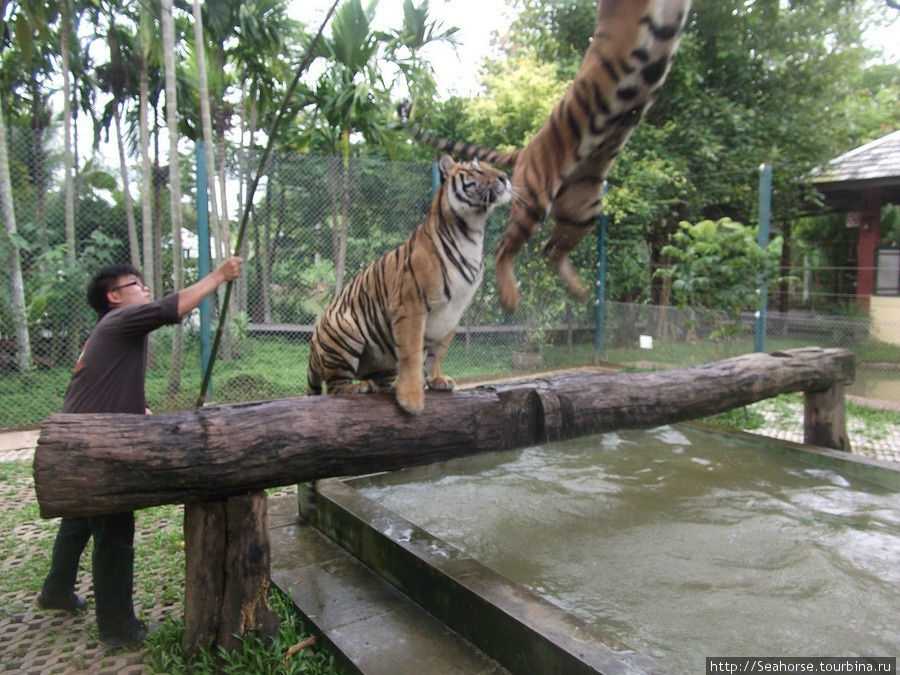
89	463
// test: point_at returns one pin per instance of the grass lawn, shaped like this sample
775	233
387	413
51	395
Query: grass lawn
276	367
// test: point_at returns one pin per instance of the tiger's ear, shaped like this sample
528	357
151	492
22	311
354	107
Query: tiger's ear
445	164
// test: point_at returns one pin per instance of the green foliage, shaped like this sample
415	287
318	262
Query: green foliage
719	264
558	31
354	91
57	302
254	655
521	92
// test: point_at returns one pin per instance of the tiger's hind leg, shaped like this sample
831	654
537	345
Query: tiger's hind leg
557	249
345	386
334	355
524	219
575	211
380	382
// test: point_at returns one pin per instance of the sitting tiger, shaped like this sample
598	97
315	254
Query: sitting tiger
560	172
398	316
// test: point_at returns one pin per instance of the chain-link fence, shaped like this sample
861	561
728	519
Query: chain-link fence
317	221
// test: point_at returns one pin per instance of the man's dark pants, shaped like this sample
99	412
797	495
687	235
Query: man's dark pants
112	566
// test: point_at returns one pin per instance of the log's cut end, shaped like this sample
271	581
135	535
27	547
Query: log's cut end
103	463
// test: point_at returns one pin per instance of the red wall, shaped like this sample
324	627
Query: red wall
869	222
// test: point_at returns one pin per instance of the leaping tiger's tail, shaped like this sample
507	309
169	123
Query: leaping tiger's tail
455	148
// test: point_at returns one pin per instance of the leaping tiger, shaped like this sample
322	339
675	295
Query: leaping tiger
560	172
399	314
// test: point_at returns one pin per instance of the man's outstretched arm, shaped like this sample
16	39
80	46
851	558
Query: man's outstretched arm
190	297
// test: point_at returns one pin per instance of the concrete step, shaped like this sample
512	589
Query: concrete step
373	627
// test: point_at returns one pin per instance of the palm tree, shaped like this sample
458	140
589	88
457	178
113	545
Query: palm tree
168	33
205	115
17	286
65	24
115	77
245	42
351	94
404	47
142	55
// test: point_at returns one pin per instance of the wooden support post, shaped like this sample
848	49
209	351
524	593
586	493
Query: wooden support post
825	418
228	562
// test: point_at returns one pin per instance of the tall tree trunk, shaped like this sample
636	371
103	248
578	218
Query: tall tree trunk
16	284
206	122
72	179
40	119
64	39
224	234
133	246
262	247
159	183
148	188
168	31
340	261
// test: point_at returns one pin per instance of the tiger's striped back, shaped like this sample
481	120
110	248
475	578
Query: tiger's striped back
397	317
561	171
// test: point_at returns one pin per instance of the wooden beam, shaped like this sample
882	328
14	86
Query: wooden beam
102	463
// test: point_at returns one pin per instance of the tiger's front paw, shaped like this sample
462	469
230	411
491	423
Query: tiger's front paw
411	398
509	295
442	383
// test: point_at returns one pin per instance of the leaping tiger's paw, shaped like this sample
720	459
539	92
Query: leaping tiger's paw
412	400
509	298
442	383
578	289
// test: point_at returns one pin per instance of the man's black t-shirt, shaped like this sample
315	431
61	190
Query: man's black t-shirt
109	375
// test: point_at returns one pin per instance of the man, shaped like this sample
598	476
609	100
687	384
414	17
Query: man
109	377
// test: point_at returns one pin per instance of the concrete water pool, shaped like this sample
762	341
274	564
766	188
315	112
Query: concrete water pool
671	544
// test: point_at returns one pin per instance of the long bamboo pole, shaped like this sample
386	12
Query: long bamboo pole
304	64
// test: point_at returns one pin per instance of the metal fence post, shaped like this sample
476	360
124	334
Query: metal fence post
435	179
203	261
765	212
600	302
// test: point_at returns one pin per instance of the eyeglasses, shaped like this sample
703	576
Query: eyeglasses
130	283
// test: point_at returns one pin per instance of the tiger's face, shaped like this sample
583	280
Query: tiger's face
474	188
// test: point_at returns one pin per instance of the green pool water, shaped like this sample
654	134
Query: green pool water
681	542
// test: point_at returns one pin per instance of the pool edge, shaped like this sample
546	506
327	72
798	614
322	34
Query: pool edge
521	630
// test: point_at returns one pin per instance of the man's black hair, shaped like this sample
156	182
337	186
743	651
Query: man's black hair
103	281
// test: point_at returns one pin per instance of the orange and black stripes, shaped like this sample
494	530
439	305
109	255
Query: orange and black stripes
561	171
406	305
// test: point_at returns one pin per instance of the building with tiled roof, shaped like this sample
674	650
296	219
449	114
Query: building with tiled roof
859	183
871	170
